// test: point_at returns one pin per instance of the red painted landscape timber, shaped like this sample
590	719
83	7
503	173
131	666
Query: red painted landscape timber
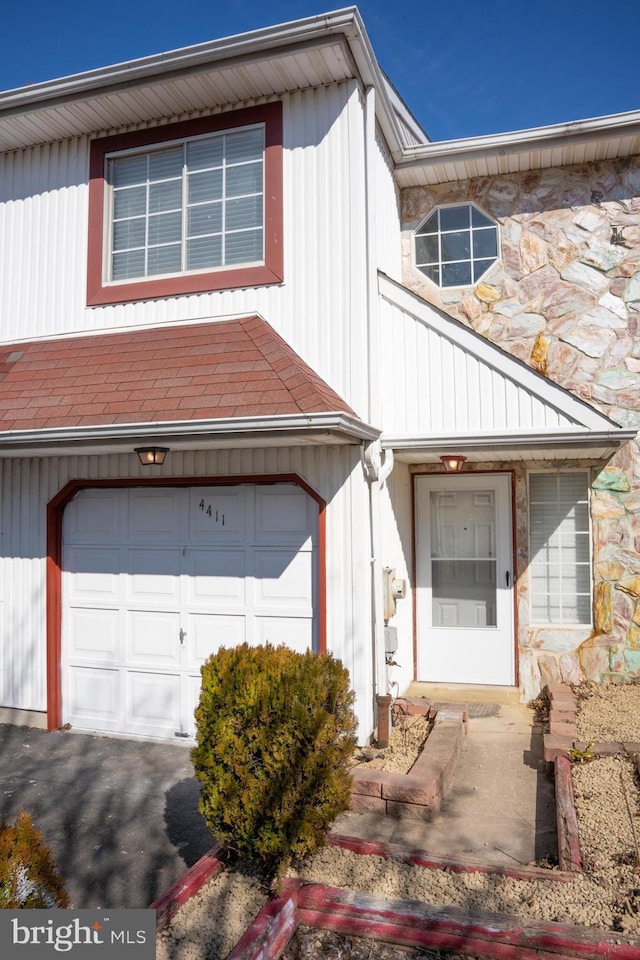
187	886
413	923
392	851
566	818
272	929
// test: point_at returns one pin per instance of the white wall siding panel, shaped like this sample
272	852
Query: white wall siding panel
387	214
430	384
397	553
43	232
27	486
319	309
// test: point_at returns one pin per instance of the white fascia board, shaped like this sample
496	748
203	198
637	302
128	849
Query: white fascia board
341	425
521	141
462	442
487	352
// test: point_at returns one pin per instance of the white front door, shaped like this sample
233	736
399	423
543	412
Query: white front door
157	579
464	579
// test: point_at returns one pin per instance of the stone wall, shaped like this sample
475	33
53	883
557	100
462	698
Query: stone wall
565	298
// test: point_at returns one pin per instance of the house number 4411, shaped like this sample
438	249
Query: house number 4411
212	512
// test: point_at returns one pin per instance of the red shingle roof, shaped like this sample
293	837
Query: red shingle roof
234	368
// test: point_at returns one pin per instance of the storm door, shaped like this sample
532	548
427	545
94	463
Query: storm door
464	579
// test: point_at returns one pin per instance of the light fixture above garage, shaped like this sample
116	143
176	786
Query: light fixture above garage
453	462
151	455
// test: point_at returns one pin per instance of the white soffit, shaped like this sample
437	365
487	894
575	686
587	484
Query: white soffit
581	430
581	141
129	100
311	52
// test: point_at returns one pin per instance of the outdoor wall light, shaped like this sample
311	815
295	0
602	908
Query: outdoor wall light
151	455
453	462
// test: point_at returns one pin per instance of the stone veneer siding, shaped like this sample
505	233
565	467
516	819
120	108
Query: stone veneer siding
565	298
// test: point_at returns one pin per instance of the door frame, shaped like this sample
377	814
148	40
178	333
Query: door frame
414	559
55	511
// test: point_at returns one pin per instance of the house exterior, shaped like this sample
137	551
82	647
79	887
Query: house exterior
246	260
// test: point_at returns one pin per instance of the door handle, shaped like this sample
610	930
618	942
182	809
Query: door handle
183	634
507	577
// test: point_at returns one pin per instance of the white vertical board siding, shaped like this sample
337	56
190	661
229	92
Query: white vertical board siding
43	239
430	384
27	486
387	214
397	553
319	309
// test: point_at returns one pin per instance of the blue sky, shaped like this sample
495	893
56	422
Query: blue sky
464	68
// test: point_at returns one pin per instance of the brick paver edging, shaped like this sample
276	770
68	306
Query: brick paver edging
188	885
412	923
563	734
419	794
421	858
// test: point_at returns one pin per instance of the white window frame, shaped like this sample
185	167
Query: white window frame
471	260
562	623
147	150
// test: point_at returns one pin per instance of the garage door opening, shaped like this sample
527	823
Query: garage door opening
155	579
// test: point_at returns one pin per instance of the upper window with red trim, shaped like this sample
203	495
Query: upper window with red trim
187	207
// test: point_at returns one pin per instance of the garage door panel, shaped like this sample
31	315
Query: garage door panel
153	703
217	513
154	515
208	632
283	515
93	574
94	634
192	698
216	576
94	698
154	575
95	514
153	638
283	577
289	631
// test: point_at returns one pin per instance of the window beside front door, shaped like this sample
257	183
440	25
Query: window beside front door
560	551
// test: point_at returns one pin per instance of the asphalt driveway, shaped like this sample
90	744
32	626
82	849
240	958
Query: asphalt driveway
120	815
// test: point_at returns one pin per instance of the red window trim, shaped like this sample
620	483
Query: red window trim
55	512
272	271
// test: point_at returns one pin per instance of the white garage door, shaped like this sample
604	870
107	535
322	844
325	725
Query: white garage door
157	579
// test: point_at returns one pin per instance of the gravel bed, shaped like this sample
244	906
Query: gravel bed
405	744
608	713
310	944
606	896
210	924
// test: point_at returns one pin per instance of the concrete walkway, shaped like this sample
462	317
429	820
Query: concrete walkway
501	809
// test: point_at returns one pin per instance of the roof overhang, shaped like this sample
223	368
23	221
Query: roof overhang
314	51
549	445
581	141
321	429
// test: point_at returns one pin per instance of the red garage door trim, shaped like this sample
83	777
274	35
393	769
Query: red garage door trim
55	511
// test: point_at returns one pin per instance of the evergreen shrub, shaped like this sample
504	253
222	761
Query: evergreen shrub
28	875
275	740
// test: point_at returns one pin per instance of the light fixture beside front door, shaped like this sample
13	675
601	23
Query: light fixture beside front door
453	462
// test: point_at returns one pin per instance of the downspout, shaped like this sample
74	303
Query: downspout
377	469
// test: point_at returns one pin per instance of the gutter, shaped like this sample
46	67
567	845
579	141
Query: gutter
340	424
444	443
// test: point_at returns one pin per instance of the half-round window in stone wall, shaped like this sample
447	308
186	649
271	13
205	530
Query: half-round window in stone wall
455	246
